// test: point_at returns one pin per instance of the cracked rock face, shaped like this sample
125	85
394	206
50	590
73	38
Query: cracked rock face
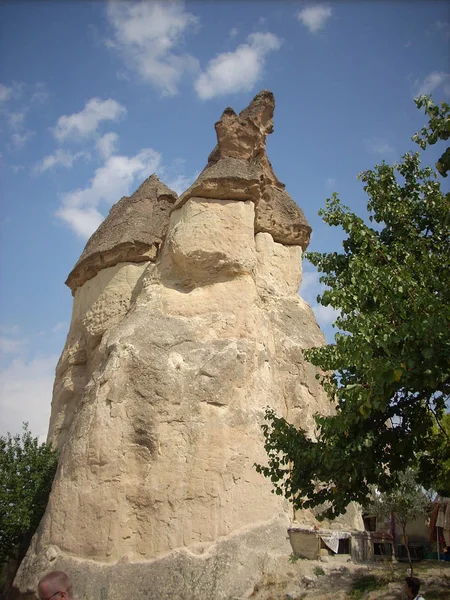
186	324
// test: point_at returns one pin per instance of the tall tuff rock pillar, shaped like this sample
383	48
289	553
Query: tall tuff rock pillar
185	327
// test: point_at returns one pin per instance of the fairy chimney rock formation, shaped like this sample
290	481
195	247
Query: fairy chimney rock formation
186	324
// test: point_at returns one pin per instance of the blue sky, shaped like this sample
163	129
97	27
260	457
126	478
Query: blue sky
96	96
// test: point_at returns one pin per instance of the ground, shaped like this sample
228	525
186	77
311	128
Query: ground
338	579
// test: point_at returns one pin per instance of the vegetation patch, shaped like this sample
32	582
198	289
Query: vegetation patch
364	584
318	571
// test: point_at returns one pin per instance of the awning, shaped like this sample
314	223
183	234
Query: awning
332	539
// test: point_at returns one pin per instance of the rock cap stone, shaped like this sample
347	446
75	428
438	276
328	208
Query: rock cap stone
132	232
238	169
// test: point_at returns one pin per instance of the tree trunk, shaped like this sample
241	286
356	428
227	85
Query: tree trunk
405	538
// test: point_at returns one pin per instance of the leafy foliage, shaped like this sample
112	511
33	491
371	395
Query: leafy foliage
436	463
389	368
406	503
27	469
438	129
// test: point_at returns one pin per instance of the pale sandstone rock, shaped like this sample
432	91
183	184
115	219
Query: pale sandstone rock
161	389
97	307
212	238
279	268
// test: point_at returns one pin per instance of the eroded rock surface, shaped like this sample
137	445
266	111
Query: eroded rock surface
160	392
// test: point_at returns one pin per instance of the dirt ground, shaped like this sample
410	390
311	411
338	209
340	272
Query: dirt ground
338	579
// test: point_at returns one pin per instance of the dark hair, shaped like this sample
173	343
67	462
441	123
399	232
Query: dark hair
413	583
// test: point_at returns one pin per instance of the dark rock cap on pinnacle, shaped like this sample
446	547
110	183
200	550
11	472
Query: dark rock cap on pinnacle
238	169
132	232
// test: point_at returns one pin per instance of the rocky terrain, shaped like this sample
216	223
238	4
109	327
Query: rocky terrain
342	580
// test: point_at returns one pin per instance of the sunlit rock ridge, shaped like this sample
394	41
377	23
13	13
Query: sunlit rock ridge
186	324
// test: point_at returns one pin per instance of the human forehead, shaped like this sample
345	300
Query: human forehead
45	589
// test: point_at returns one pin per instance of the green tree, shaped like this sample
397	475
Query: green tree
436	463
438	128
407	502
389	369
27	469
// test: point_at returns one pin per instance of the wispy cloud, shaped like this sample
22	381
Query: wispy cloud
16	100
179	183
315	16
80	208
40	93
12	346
432	82
59	327
379	146
20	138
60	158
5	93
12	91
16	119
147	35
86	122
107	144
237	71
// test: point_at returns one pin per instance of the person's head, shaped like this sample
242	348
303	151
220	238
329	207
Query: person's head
412	586
55	586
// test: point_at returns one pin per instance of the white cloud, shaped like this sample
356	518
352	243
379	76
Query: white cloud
25	394
107	144
330	183
87	121
314	17
83	221
431	82
60	157
233	32
378	146
79	209
237	71
146	35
